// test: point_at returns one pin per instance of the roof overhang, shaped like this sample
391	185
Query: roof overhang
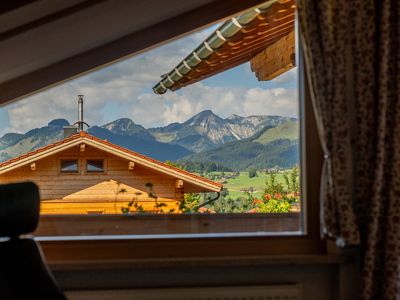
239	40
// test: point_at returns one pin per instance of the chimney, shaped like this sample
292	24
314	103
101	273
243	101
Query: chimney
78	126
69	130
80	121
80	113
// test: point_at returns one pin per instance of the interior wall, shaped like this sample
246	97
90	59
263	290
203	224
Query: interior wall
319	281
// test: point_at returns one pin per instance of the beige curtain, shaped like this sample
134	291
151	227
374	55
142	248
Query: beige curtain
325	43
352	53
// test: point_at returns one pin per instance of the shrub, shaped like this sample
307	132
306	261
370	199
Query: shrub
274	206
252	173
277	197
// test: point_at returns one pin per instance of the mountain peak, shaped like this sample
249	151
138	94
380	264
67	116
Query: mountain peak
10	139
234	117
203	118
127	127
206	111
121	125
58	123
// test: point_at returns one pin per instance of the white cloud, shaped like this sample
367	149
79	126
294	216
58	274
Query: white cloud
276	101
179	106
120	84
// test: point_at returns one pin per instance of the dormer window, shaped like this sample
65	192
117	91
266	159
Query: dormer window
95	165
69	166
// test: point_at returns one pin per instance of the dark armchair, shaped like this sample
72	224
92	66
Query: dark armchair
23	272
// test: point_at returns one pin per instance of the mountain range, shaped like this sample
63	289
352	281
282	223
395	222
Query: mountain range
206	130
271	147
203	137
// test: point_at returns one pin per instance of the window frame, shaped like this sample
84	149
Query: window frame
123	249
61	159
68	251
104	171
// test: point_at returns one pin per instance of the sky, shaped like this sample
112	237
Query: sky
124	90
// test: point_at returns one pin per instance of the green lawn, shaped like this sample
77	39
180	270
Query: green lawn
243	181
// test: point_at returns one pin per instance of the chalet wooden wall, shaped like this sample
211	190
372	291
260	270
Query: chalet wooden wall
84	192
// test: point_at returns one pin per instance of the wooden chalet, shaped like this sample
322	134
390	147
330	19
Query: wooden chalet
83	174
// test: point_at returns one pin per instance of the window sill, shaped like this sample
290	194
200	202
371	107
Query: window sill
154	250
166	224
226	261
91	239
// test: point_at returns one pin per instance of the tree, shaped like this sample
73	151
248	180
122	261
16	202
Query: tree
252	173
190	202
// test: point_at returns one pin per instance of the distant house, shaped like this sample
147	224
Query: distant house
85	174
248	190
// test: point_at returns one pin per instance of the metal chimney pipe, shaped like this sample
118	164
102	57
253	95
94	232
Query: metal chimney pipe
80	122
80	112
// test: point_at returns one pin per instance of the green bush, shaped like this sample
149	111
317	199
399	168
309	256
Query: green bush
274	206
252	173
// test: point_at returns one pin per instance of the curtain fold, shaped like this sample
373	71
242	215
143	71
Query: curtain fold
352	54
325	43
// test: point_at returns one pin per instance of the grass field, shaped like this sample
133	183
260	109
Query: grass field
243	181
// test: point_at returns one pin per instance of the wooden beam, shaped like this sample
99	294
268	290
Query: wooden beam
179	184
275	59
82	147
130	44
33	166
48	19
7	6
131	165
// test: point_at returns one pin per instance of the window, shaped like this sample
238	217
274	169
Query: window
95	165
69	166
125	247
205	224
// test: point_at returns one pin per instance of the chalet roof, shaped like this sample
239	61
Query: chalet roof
236	41
87	139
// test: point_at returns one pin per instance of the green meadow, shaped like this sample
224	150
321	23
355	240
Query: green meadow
234	185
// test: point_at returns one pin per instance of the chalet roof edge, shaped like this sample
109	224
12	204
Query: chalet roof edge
228	30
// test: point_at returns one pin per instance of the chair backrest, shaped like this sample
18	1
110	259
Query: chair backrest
19	208
23	272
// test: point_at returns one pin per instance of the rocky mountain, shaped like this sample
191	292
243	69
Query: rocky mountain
271	147
122	132
140	142
126	127
14	144
206	130
10	139
236	140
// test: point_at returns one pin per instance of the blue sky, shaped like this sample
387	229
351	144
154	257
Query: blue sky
124	90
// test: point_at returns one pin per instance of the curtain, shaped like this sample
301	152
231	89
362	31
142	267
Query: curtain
352	55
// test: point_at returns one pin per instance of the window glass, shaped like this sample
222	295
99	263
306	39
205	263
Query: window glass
95	165
69	165
204	127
